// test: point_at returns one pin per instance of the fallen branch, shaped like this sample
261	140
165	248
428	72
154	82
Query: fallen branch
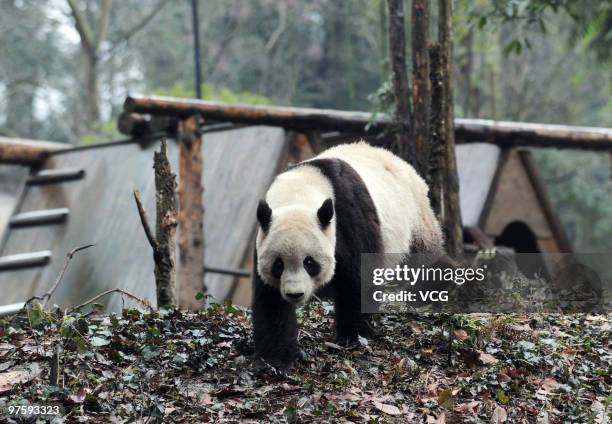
106	292
45	297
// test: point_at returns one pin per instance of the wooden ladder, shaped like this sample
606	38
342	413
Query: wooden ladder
36	218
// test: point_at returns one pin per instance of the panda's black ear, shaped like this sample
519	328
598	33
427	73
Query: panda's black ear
326	213
264	215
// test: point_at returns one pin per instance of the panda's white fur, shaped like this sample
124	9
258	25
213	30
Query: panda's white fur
399	195
398	192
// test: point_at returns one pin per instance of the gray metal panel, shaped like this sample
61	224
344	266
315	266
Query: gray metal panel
238	167
12	178
476	164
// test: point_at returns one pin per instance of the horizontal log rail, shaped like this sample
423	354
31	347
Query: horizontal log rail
507	133
503	133
290	117
26	152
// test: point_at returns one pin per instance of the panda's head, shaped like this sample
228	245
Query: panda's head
295	249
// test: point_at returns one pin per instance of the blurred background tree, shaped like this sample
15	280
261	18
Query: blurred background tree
528	60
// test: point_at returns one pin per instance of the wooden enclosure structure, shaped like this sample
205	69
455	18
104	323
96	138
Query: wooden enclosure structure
232	153
505	202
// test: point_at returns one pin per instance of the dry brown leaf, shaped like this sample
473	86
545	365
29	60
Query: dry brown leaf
499	415
549	385
387	409
333	346
263	390
468	408
352	397
446	398
18	376
517	372
460	335
486	358
79	397
503	377
525	328
432	389
433	420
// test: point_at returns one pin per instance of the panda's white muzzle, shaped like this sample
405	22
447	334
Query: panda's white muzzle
296	288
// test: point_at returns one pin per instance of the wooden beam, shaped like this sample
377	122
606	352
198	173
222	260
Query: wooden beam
138	125
503	133
506	133
539	186
22	151
191	213
289	117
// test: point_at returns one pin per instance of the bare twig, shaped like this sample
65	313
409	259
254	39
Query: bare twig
144	220
106	292
45	297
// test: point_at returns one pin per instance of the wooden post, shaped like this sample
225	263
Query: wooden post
191	213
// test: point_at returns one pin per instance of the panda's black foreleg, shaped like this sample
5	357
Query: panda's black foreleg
274	325
350	322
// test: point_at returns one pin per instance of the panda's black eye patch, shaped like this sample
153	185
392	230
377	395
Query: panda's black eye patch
277	268
312	267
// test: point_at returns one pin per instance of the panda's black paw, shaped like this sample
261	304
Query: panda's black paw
348	341
358	340
262	367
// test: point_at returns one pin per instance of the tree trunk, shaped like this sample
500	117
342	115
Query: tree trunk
383	42
437	160
90	82
402	116
165	229
453	229
421	88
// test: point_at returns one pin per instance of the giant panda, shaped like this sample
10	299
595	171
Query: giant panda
315	221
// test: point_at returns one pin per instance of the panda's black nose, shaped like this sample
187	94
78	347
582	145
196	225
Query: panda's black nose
295	296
